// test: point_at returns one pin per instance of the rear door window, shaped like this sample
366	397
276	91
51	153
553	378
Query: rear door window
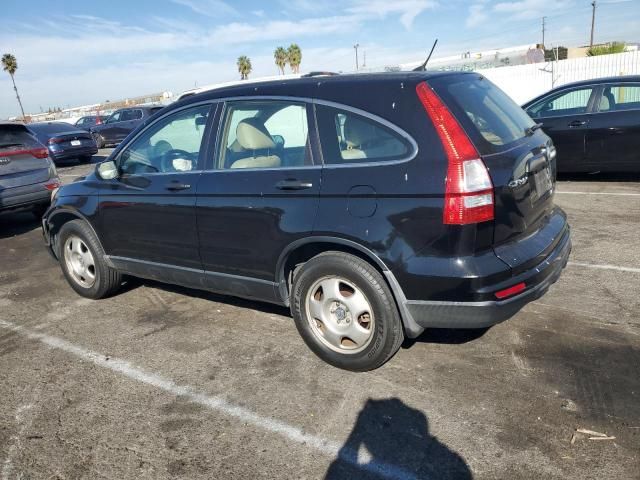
620	97
348	137
485	111
265	134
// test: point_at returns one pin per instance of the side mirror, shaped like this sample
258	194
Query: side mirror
107	170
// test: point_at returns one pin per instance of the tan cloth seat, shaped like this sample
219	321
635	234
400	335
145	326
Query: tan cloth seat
366	140
257	144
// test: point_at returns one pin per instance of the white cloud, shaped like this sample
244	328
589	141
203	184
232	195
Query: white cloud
478	14
528	9
407	9
210	8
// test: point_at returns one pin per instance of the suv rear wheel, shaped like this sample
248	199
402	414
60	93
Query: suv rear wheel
345	312
81	258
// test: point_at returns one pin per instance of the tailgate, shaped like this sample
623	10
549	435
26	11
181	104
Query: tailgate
23	161
520	159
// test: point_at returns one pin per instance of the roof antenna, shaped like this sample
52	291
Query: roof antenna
423	67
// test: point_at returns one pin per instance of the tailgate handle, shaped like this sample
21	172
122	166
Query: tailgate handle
292	184
536	164
577	123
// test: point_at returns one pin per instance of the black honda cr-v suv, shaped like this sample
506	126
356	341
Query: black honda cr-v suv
374	206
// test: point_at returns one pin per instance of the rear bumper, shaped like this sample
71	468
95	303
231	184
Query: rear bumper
421	314
24	197
73	153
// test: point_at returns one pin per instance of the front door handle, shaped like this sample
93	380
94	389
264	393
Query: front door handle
292	184
577	123
176	185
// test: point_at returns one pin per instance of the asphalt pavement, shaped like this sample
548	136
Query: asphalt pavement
164	382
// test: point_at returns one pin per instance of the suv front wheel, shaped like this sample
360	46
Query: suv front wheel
345	312
82	262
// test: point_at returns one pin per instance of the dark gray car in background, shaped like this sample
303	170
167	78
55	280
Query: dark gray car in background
27	174
120	123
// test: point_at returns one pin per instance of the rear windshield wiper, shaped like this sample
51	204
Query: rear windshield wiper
5	145
529	130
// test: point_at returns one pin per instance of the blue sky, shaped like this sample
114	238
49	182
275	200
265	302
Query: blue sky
78	52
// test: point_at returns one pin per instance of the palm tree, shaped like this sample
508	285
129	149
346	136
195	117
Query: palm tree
281	58
295	57
10	65
244	66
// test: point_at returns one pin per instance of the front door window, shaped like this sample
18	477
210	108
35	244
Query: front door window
171	145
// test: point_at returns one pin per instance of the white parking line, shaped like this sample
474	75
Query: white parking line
604	267
619	194
215	403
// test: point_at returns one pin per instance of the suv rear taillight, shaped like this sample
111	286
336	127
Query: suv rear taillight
38	152
468	188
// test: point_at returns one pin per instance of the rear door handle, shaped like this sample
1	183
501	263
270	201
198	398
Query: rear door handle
176	185
577	123
293	185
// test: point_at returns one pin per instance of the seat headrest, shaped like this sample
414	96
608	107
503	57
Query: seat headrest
357	132
253	135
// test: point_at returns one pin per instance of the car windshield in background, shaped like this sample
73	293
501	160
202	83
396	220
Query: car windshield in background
478	103
13	135
53	127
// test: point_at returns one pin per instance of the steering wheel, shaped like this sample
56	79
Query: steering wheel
167	158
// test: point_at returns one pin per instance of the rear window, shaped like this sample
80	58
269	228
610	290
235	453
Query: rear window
54	127
491	118
14	135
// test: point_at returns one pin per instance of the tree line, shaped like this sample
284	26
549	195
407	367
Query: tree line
281	56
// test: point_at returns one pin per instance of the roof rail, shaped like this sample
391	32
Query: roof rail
319	74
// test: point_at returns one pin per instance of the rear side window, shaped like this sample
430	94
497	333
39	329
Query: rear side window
483	109
620	97
14	135
347	137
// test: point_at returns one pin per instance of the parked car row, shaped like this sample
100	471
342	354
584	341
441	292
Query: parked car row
373	206
119	124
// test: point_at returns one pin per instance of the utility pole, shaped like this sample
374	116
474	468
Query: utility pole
543	30
356	48
593	21
364	60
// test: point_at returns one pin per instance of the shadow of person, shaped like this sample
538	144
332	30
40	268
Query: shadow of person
392	440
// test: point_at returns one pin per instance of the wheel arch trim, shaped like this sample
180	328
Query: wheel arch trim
79	216
412	329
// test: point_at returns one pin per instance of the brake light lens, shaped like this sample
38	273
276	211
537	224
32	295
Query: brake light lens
468	187
39	152
52	185
509	292
55	140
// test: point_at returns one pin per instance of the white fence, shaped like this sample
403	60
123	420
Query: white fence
524	82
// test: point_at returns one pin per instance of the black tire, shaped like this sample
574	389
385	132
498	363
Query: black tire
107	280
387	335
99	140
39	210
85	158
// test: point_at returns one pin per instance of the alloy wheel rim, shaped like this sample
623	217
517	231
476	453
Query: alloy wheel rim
79	261
340	315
